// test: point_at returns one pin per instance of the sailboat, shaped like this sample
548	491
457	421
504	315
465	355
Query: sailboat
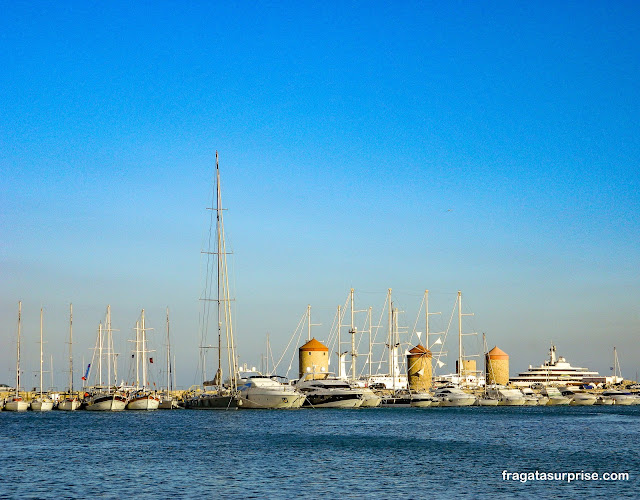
142	398
16	403
167	401
71	402
223	396
42	402
102	397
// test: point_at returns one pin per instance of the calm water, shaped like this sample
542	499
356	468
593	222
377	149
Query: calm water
372	453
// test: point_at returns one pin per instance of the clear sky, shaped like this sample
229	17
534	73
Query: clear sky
488	147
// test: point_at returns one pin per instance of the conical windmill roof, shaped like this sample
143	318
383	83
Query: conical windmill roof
314	345
420	350
497	353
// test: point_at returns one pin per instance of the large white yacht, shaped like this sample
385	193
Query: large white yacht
261	391
330	392
452	396
555	371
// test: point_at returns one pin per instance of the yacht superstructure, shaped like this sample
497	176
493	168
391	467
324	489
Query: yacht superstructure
555	371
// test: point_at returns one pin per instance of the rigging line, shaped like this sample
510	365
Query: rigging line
299	327
446	332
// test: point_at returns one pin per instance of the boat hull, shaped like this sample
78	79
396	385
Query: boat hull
16	406
106	403
212	402
147	402
41	405
558	401
168	404
583	401
457	401
270	400
333	401
69	405
487	402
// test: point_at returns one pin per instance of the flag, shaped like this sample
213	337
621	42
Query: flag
150	360
86	374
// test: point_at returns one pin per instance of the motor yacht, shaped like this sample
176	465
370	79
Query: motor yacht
507	397
555	397
261	391
422	400
452	396
329	392
604	400
578	398
619	397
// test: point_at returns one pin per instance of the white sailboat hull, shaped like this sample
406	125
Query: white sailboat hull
146	402
106	403
69	405
16	405
41	405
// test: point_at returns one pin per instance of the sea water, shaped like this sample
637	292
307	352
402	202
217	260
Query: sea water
370	453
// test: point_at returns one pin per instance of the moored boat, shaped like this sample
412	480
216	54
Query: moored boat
452	396
263	392
555	397
329	392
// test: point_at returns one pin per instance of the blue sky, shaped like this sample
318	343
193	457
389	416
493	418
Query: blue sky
477	146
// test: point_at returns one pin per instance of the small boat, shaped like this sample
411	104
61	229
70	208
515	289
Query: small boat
106	399
507	397
102	397
15	402
261	391
422	400
578	398
452	396
42	402
619	397
71	402
141	398
530	398
555	397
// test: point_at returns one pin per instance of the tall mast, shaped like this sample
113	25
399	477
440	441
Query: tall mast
370	342
309	323
459	336
18	348
340	363
100	339
109	345
137	353
219	244
352	331
390	333
168	355
41	352
144	354
70	348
